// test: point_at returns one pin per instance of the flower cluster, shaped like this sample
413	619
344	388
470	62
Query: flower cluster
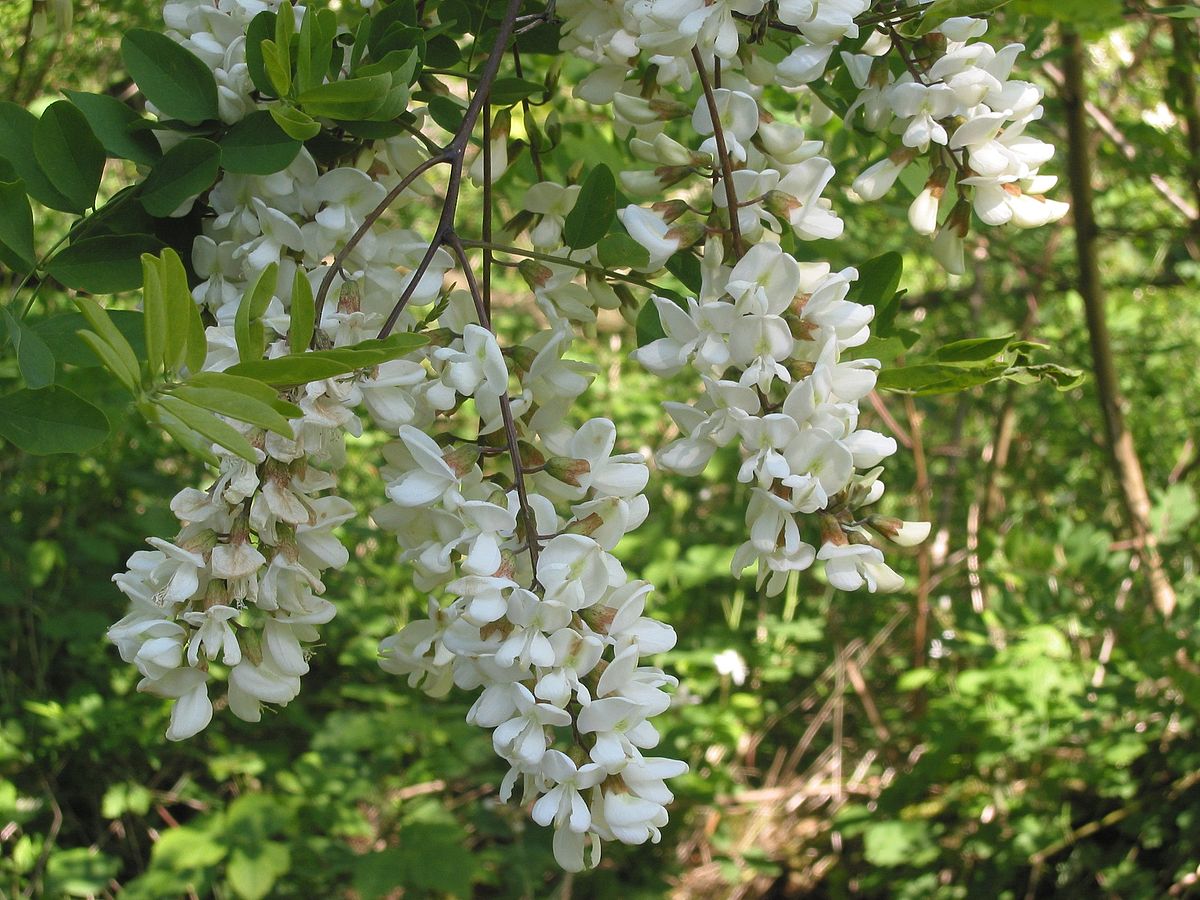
769	327
958	106
240	586
531	608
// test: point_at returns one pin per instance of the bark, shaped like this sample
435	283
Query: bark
1127	466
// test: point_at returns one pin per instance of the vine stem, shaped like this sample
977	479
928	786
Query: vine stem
453	154
722	153
511	437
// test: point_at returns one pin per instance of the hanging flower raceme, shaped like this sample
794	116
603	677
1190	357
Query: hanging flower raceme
508	509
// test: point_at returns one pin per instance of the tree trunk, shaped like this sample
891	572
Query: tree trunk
1126	465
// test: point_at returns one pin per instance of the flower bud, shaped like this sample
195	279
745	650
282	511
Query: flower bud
898	531
670	210
567	470
461	458
536	274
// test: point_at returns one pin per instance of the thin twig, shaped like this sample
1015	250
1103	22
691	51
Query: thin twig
722	153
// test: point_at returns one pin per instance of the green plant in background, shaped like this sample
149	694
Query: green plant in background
1022	724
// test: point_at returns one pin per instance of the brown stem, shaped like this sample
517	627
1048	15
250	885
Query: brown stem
722	153
1127	466
454	154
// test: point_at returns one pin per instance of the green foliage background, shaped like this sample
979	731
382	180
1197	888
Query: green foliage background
1042	741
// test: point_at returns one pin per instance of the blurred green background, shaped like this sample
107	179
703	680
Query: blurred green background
1022	723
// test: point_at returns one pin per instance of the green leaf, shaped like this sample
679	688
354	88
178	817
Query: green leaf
973	351
51	420
594	211
941	10
686	267
261	27
649	325
878	280
509	91
320	364
248	327
34	358
79	872
357	98
206	424
900	843
248	387
175	80
107	264
113	122
258	146
937	378
253	872
234	405
16	222
278	65
620	251
17	125
295	123
61	335
69	153
186	170
447	112
303	313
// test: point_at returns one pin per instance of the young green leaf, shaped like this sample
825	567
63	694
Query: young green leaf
107	331
51	420
248	387
172	78
295	123
154	315
320	364
110	359
236	406
182	313
205	423
278	64
69	154
248	327
189	440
